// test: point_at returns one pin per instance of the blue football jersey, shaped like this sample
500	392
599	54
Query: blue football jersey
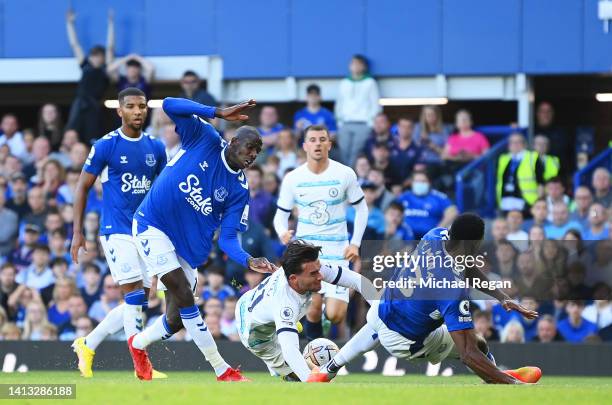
415	313
127	167
197	193
422	213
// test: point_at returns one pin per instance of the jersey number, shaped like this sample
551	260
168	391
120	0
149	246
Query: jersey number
259	294
320	216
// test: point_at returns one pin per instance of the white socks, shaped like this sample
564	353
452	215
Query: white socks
159	330
111	324
193	322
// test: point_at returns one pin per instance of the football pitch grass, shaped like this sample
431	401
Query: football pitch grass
200	387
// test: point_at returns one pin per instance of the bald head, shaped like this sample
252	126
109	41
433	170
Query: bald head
243	148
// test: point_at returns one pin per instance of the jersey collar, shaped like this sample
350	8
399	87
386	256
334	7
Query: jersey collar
127	138
229	169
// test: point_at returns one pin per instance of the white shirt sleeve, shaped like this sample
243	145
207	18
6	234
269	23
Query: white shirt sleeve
354	193
361	222
373	104
286	331
285	196
344	277
290	347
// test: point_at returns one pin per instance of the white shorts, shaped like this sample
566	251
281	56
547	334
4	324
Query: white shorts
334	291
123	260
266	347
159	254
437	346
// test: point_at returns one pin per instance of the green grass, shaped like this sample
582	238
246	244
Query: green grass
197	387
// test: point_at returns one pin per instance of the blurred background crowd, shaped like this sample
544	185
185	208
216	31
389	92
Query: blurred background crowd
406	167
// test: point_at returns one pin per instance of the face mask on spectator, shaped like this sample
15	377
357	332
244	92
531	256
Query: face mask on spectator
420	188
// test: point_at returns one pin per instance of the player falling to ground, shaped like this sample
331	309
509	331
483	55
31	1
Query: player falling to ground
127	161
428	323
320	189
268	315
201	189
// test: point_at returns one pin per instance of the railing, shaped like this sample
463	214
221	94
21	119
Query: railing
475	183
583	176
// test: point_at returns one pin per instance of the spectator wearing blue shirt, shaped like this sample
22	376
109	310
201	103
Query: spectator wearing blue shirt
38	275
425	208
195	89
268	128
314	113
92	288
405	153
380	134
574	328
77	309
560	222
395	227
598	229
110	298
539	212
215	287
375	228
583	198
138	73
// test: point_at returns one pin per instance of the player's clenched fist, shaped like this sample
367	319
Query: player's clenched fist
261	265
351	253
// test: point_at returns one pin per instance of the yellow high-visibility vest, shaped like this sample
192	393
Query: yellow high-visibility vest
526	175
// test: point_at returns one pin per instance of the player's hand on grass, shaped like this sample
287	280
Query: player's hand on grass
261	265
78	241
286	237
234	113
510	305
351	253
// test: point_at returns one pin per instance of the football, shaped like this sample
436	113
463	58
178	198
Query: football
319	352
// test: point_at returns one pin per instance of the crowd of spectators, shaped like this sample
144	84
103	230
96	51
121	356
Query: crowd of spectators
405	169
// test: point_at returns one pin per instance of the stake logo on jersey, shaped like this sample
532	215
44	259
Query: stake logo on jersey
127	168
196	193
416	313
321	200
134	184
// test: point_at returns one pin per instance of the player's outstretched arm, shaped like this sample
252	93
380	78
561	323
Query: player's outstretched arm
466	343
290	347
86	180
508	304
350	279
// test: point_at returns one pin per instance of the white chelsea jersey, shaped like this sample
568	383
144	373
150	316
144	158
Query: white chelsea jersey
321	200
274	306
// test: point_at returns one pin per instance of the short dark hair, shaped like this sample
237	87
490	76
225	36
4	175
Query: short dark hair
423	172
190	73
130	91
257	168
92	266
42	246
298	252
59	260
97	50
134	63
362	59
467	226
316	128
61	232
556	179
396	206
313	88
